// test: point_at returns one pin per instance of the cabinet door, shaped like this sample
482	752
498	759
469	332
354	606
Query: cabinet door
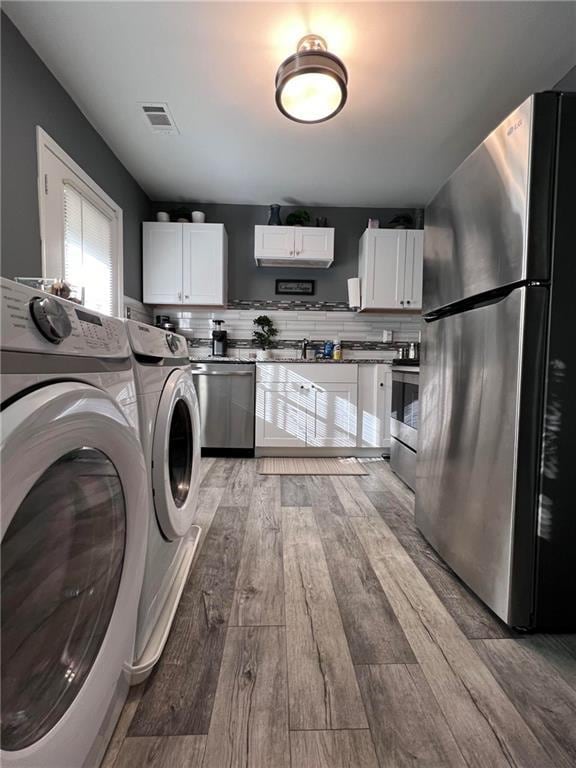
281	411
331	421
384	381
204	264
162	263
413	269
383	278
314	243
273	243
374	399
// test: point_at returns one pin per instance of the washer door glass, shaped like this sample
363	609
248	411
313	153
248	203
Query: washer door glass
62	558
180	447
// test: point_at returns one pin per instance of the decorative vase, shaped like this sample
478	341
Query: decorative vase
274	220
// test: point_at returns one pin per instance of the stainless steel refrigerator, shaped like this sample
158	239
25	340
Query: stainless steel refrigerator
496	474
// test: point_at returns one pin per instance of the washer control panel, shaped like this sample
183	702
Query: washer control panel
50	318
34	321
155	342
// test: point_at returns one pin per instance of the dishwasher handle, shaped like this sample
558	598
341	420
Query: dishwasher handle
199	372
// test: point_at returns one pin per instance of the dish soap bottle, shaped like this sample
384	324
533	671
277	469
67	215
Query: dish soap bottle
337	353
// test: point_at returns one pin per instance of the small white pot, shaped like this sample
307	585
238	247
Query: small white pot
264	354
198	217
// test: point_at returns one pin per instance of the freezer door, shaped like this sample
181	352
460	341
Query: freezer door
477	474
476	233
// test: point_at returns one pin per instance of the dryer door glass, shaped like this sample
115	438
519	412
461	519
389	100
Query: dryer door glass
180	452
62	558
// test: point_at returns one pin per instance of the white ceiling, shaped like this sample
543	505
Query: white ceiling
427	81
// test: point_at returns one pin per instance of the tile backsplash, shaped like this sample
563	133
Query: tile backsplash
316	322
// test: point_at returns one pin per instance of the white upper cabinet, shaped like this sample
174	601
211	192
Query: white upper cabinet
294	246
413	268
390	267
162	263
185	263
273	242
205	264
314	243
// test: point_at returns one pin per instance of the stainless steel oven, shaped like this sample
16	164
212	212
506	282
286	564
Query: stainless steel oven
404	418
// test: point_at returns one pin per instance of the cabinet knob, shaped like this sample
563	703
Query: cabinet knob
179	296
401	302
297	253
186	297
301	386
407	302
381	383
291	253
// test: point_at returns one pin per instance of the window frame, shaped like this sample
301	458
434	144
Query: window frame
97	196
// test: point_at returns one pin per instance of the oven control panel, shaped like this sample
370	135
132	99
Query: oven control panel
34	321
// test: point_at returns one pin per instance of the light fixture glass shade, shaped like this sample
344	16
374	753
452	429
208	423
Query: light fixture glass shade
311	84
311	96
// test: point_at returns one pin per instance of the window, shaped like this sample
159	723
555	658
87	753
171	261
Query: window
81	229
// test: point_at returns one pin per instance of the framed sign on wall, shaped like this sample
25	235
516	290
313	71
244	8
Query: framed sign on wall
295	287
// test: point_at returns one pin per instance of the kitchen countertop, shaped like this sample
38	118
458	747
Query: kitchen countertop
289	361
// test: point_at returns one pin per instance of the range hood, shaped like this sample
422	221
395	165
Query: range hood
319	263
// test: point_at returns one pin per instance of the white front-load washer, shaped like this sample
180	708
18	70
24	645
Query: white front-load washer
170	436
73	534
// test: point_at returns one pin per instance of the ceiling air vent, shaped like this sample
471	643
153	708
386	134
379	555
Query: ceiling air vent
158	117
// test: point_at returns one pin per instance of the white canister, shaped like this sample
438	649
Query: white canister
162	216
198	217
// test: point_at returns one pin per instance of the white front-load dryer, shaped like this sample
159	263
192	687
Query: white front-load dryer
170	434
73	533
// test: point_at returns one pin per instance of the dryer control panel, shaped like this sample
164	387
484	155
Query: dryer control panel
156	342
34	321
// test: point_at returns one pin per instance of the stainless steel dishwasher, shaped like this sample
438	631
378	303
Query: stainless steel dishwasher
226	398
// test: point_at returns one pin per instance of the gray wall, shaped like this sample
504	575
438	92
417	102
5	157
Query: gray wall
568	82
32	96
247	281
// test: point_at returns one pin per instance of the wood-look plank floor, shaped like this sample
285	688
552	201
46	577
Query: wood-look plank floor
323	688
259	594
319	630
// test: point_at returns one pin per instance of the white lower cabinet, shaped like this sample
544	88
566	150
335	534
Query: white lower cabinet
331	421
306	405
281	413
374	403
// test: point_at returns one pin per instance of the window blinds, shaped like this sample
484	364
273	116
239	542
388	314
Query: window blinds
88	250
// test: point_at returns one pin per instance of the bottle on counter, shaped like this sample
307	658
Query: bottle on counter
328	349
337	353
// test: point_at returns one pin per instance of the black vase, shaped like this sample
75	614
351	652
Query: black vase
274	220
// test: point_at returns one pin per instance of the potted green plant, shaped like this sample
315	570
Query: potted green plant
263	337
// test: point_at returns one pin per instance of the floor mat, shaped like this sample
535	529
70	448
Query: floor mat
286	465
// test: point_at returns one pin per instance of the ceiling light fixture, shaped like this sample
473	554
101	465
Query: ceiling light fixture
311	85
